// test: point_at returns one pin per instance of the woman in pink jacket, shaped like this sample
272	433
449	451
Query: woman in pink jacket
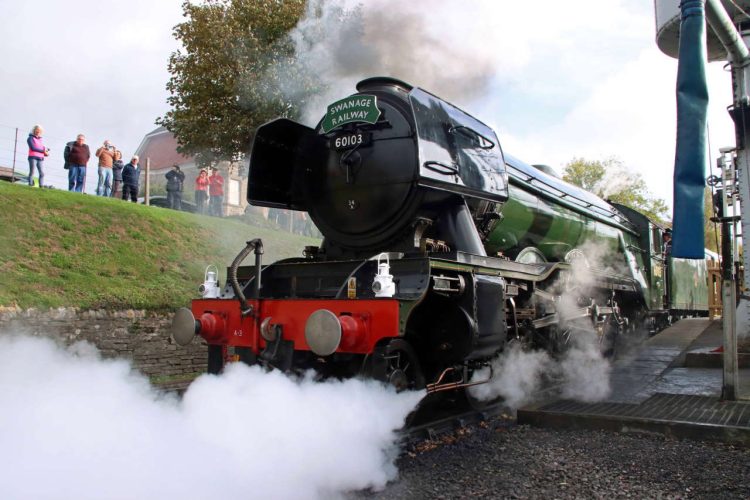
37	152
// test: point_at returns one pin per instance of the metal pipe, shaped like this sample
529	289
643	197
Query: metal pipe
730	373
256	245
725	30
439	386
515	319
258	266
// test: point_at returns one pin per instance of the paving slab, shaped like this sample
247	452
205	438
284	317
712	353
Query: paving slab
653	392
633	376
676	415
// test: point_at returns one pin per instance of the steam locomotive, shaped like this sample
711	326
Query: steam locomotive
439	250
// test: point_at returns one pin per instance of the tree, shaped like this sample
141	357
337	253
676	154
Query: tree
228	77
585	174
611	180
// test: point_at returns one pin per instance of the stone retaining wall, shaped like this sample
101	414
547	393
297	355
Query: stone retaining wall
140	336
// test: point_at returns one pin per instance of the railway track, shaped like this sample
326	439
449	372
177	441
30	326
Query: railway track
437	419
411	437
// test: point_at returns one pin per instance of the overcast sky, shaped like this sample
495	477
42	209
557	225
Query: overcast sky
576	78
88	66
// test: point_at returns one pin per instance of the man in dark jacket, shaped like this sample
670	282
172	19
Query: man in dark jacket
130	174
76	156
175	179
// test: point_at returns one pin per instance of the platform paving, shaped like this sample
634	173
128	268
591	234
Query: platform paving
653	391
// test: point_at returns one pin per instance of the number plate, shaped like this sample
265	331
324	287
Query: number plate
350	140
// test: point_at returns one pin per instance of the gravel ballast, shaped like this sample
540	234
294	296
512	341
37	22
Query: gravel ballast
504	460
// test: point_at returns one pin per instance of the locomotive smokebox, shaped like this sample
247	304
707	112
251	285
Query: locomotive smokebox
381	165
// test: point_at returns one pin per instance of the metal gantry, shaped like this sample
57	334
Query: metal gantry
735	178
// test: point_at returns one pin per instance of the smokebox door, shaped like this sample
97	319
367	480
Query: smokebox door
281	152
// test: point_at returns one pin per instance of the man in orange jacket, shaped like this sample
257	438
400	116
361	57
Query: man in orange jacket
106	155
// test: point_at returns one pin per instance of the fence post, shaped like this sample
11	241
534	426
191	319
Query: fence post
148	181
15	148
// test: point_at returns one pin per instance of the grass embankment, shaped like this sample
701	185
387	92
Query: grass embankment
64	249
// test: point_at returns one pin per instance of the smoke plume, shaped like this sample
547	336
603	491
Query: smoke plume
421	42
76	426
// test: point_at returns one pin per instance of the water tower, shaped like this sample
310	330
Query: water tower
668	26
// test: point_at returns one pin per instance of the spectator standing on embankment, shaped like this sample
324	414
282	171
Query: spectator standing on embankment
77	155
175	180
37	152
216	191
201	191
106	155
130	174
117	167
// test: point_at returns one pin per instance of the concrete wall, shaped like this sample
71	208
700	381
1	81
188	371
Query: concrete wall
140	336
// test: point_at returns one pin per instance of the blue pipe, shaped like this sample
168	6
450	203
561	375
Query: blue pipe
691	152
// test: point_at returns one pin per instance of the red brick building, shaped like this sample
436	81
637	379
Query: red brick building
159	148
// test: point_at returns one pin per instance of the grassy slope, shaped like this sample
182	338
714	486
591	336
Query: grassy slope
64	249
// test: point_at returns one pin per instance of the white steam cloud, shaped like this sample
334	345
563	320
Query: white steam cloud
516	375
617	178
583	368
75	426
581	371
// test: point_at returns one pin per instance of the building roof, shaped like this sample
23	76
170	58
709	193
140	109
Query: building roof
161	147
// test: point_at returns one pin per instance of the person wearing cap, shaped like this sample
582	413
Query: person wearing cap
216	190
130	174
667	242
175	179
